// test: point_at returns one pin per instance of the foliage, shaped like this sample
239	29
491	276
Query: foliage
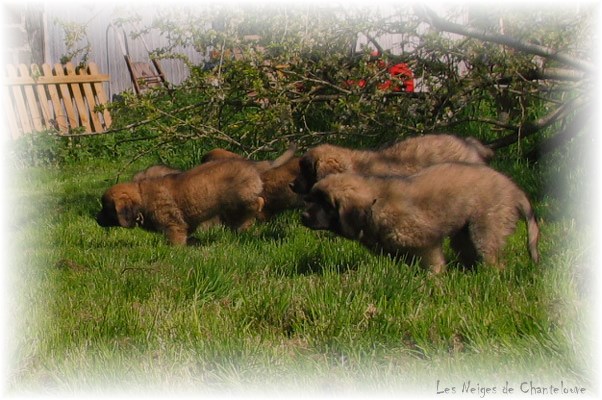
76	41
283	73
279	73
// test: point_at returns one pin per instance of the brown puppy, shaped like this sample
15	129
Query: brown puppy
403	158
277	191
176	204
220	154
155	171
261	166
473	204
276	176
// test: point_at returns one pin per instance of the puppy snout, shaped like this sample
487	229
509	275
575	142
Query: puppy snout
101	220
105	220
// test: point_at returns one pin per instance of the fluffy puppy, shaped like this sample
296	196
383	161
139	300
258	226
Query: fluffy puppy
220	154
277	192
261	166
402	158
473	204
175	204
155	171
276	176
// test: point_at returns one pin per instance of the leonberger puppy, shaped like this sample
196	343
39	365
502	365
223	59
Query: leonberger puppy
155	171
402	158
276	176
175	204
261	166
220	154
277	192
474	205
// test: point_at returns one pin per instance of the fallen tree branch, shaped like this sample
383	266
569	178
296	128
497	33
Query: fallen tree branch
441	24
375	43
164	114
138	156
529	128
137	123
557	74
571	130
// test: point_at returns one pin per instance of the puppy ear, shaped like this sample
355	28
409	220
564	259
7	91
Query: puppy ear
128	213
352	220
330	165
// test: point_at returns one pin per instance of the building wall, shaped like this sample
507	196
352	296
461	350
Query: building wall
23	34
106	50
34	33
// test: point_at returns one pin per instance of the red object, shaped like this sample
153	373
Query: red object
401	71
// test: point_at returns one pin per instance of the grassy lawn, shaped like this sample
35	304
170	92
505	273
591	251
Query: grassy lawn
278	307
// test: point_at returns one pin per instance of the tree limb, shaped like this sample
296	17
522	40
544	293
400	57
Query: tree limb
531	127
375	43
439	23
568	133
155	118
558	74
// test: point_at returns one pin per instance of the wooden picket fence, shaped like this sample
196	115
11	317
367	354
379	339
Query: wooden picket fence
63	98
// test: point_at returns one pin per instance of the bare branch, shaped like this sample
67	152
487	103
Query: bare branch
137	123
433	19
316	80
570	131
163	115
559	74
529	128
375	43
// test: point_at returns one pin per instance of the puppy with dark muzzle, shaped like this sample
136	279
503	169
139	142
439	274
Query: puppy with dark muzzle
474	205
276	176
403	158
175	204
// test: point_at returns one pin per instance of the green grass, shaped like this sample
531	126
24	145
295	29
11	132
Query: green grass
276	307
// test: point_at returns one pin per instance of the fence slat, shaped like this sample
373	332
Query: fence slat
90	101
30	97
72	117
100	94
60	120
13	125
21	108
42	97
80	105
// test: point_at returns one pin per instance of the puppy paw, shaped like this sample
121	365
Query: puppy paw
260	204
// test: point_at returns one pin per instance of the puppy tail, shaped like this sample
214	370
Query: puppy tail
485	152
532	228
284	157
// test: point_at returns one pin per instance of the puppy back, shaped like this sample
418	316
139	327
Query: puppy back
155	171
216	178
433	149
220	154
